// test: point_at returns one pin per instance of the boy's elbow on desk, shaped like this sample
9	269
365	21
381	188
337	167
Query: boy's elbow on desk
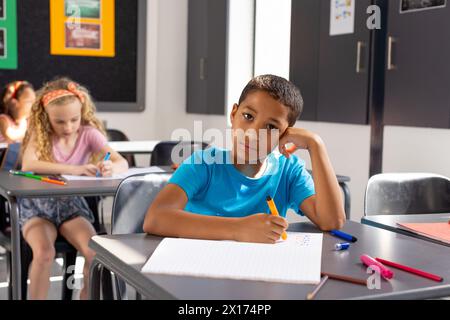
149	222
152	223
332	225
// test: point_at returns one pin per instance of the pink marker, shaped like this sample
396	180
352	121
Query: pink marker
369	261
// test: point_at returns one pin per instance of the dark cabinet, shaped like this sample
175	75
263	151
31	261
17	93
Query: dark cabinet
335	75
332	71
417	83
207	50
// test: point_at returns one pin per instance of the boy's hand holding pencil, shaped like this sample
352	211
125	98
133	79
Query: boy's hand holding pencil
260	228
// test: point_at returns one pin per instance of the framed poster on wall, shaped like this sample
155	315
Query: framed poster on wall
8	34
419	5
82	27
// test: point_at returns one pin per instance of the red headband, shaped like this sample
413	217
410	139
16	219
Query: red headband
14	87
56	94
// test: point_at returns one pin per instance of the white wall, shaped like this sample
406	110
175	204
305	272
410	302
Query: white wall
140	126
408	149
405	149
348	147
272	38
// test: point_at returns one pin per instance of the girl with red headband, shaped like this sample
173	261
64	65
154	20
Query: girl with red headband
64	137
16	100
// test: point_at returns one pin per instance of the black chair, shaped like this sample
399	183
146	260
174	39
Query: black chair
407	193
342	180
2	153
131	202
117	135
162	153
10	157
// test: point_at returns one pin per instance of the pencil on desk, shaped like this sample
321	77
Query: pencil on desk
36	177
311	295
345	278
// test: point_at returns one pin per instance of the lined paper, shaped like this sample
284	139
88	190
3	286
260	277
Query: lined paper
126	174
296	260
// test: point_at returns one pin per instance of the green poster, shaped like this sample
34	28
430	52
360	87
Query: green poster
8	34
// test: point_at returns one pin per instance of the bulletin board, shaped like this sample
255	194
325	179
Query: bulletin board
116	82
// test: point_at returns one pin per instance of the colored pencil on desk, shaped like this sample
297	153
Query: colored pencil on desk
36	177
311	295
362	282
411	270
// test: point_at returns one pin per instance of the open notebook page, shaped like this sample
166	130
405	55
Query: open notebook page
130	172
296	260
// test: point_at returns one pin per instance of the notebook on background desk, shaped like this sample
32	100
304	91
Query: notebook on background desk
296	260
439	231
126	174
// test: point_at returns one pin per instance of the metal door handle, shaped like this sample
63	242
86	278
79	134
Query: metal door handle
390	63
359	47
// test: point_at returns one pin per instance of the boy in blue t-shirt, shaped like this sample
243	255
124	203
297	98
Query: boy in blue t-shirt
221	194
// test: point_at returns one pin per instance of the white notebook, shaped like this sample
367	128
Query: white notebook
296	260
128	173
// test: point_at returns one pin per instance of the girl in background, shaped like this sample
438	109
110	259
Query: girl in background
64	137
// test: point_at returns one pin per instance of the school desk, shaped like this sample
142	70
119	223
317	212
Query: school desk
13	187
389	222
134	147
126	254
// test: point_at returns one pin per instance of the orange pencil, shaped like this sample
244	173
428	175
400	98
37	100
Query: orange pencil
274	212
61	183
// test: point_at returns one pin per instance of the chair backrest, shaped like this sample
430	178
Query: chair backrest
11	157
133	197
162	153
407	193
117	135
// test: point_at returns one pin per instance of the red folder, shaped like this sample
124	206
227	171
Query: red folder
439	231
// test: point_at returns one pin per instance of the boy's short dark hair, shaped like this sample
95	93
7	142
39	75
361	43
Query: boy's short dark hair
281	90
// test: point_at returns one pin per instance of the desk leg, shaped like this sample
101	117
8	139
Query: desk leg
94	280
15	250
347	199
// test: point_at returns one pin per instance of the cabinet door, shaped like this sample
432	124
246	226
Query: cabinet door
305	33
344	69
332	72
207	34
417	85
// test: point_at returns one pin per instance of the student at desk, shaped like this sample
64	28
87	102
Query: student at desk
221	194
64	137
16	100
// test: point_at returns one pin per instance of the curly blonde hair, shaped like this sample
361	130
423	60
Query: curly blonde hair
39	123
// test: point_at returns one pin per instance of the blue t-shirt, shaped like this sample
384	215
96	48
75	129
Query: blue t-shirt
215	187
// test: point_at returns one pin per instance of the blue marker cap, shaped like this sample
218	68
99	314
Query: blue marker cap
343	235
107	156
342	246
